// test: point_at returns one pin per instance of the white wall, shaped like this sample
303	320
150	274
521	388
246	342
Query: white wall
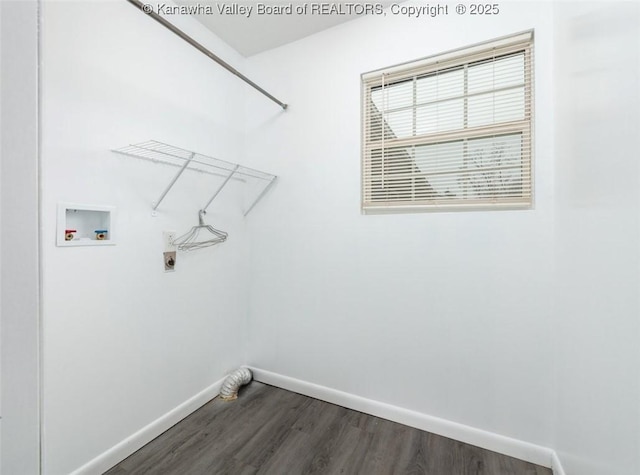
448	314
125	342
598	234
19	276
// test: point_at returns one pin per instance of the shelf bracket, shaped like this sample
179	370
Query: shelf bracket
262	193
226	180
173	182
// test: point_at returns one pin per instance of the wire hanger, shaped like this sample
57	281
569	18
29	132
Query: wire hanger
200	236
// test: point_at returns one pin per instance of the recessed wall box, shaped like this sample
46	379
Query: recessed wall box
85	225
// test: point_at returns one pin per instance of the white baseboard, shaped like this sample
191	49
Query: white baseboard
536	454
122	450
556	466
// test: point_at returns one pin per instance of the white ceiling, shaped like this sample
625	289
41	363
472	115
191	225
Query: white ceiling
255	33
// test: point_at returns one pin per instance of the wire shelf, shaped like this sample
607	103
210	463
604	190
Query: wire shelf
183	159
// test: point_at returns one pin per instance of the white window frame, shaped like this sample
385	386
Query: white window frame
518	196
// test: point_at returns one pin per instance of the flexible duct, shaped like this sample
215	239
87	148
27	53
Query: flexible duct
232	383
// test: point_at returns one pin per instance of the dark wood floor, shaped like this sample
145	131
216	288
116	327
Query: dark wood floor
272	431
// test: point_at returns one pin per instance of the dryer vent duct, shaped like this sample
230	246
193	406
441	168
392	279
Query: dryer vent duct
232	383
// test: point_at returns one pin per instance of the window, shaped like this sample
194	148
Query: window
450	131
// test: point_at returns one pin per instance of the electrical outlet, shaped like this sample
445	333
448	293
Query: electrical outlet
169	237
169	261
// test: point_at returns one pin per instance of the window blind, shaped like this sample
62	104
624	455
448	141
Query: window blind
450	131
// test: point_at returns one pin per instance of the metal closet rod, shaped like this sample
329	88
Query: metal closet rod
145	9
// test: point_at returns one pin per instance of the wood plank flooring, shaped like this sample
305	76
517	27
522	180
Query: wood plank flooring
272	431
